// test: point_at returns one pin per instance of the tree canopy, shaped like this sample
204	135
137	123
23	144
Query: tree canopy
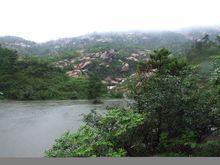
173	114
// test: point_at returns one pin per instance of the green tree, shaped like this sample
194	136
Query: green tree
174	112
110	135
95	88
34	78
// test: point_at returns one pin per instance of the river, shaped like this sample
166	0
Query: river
28	128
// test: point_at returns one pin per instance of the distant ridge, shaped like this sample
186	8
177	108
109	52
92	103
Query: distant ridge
148	39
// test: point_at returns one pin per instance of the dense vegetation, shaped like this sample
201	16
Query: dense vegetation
33	78
95	88
176	113
97	41
176	109
203	48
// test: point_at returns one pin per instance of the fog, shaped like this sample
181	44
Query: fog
42	20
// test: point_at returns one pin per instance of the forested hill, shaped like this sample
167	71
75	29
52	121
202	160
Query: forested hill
176	41
19	44
153	40
62	68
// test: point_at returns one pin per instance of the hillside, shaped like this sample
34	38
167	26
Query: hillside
148	40
19	44
176	41
114	56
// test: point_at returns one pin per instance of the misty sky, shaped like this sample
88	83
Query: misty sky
42	20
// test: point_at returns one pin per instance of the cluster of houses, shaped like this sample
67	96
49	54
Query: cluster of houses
79	65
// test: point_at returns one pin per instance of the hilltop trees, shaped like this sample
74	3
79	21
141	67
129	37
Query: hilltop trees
202	49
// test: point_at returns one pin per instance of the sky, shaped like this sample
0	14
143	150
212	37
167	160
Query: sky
43	20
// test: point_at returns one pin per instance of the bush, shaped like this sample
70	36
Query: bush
207	149
107	135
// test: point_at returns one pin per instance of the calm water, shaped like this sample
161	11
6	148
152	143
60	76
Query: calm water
28	128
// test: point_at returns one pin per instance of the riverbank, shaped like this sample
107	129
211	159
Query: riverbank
28	128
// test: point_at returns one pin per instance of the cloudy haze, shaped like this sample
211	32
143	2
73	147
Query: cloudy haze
42	20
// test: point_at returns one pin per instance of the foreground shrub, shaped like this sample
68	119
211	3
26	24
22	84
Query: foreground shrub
174	111
210	148
108	135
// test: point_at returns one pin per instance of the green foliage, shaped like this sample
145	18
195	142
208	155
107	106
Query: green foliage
208	149
7	59
66	55
101	136
165	63
84	143
216	77
202	50
115	94
175	110
95	88
178	102
34	78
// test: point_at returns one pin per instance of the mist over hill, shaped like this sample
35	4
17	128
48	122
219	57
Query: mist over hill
176	41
